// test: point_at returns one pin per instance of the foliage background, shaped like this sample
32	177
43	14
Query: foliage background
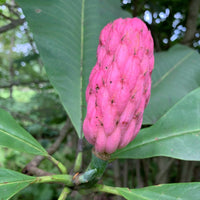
26	93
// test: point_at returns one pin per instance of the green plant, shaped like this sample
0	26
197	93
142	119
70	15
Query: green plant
66	34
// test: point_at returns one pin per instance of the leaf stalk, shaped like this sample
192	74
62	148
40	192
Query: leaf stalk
58	164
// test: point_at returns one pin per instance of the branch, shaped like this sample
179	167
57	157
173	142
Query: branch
52	149
79	156
193	12
101	188
57	178
33	45
64	193
14	23
31	168
12	9
23	83
135	8
58	164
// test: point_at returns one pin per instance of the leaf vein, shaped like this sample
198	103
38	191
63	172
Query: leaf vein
172	69
159	139
15	182
22	140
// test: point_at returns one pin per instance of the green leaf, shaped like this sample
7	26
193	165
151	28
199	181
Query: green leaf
2	2
66	34
12	182
14	136
176	134
176	73
180	191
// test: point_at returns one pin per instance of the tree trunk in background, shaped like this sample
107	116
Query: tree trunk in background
145	164
139	178
191	21
135	8
187	171
164	165
117	176
125	174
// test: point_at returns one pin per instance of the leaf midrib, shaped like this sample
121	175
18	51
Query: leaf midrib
141	197
81	63
21	140
158	192
15	182
160	139
172	69
147	198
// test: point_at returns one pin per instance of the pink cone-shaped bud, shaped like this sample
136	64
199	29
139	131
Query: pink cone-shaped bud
119	85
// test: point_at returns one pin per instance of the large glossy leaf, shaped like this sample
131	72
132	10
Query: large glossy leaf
176	134
12	182
66	33
176	73
180	191
14	136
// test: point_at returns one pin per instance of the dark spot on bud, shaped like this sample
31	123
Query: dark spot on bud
133	96
123	38
134	52
124	123
96	103
147	51
113	58
101	123
100	42
108	52
106	67
97	87
137	115
145	73
145	91
96	117
90	92
141	30
110	82
112	101
103	81
117	122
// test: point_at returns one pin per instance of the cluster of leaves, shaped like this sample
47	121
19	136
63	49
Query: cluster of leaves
68	52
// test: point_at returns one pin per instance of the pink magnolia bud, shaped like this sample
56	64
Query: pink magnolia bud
119	85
